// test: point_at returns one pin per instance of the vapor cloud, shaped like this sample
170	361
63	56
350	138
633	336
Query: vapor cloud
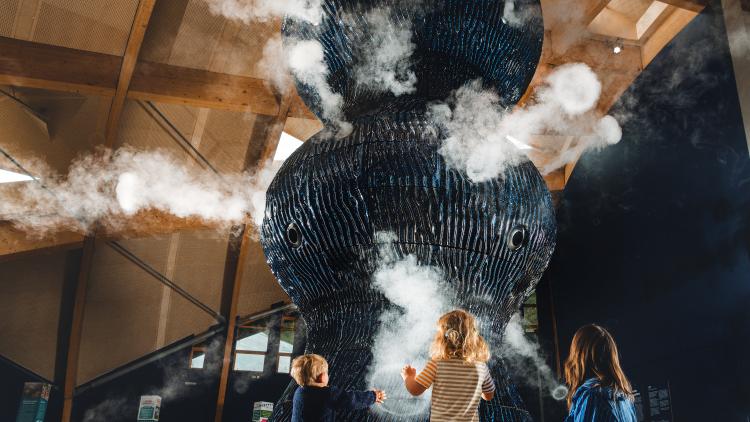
109	187
386	51
420	296
484	138
306	61
515	15
263	10
518	351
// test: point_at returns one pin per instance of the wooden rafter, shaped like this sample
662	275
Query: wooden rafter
129	60
275	128
36	65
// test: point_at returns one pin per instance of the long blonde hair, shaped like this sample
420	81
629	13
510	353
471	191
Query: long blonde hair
593	354
458	338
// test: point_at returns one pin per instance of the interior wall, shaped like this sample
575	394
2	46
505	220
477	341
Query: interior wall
259	288
131	313
654	239
29	310
121	314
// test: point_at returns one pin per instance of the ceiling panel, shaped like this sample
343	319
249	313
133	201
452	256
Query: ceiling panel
101	26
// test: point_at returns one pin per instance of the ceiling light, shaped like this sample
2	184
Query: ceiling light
287	145
11	177
617	46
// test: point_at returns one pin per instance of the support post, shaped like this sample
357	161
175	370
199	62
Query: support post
236	256
76	327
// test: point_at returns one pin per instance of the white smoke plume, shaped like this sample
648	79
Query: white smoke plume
515	15
421	296
387	50
517	347
264	10
109	187
484	138
306	61
107	410
273	65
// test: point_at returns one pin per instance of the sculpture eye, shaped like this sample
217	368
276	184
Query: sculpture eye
518	237
293	235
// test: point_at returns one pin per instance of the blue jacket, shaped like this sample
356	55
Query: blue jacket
318	404
594	403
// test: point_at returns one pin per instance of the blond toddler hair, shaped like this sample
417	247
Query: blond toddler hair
307	368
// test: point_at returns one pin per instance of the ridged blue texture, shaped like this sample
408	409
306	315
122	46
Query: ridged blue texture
388	176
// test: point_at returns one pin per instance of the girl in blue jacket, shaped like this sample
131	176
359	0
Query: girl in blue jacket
598	389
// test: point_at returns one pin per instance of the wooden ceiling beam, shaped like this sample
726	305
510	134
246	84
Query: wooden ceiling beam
129	60
16	244
201	88
35	65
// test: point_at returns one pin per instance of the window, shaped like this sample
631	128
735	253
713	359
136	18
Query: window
286	344
265	346
287	145
12	177
197	357
530	316
251	346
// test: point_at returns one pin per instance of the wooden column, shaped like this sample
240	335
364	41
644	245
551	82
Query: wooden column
237	255
76	327
233	274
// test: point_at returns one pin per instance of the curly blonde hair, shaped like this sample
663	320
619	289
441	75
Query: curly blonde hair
458	338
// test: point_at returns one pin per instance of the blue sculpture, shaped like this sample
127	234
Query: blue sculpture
491	240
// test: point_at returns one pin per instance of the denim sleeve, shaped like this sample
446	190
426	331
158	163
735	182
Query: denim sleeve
591	407
297	406
343	400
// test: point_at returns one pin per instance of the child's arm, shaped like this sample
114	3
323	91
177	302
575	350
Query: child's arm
417	384
343	400
488	385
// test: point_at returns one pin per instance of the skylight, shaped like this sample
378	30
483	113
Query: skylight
287	145
11	177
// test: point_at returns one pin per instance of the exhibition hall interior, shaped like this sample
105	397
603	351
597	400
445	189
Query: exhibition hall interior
194	193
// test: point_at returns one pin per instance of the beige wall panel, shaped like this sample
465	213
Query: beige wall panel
302	129
29	310
122	307
76	122
102	26
227	136
74	125
141	131
181	116
199	269
198	34
259	286
8	10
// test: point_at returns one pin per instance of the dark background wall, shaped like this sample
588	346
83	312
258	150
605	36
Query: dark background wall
654	238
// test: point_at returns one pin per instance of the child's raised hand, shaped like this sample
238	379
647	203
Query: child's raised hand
380	396
408	372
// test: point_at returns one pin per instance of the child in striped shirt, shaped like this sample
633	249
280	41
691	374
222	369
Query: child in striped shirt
457	370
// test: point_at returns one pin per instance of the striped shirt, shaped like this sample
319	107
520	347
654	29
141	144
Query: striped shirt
457	387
